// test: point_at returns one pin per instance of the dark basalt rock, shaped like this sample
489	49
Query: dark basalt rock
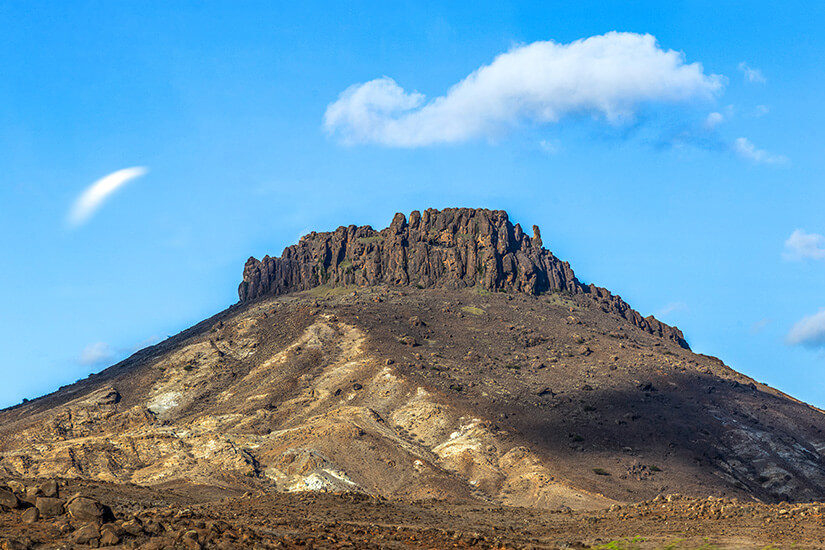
451	248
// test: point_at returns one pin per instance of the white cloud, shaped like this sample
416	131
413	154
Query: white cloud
801	246
608	76
551	147
808	331
96	194
713	120
751	74
96	354
761	110
747	150
672	307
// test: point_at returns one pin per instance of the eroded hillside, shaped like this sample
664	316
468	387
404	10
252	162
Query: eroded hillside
545	401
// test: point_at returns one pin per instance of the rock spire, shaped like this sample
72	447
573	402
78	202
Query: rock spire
451	248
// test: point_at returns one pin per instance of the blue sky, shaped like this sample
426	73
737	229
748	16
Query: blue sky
693	191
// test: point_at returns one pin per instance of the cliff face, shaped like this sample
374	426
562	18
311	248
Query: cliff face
451	248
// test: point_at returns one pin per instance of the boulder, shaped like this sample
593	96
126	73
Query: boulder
50	507
117	532
30	515
17	487
86	534
109	538
133	527
408	340
190	540
88	509
48	489
8	499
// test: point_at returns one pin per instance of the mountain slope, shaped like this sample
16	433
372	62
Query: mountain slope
531	395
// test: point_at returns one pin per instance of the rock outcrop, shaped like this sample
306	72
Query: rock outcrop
451	248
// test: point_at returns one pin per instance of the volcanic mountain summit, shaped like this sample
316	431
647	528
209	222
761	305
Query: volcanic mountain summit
451	249
448	356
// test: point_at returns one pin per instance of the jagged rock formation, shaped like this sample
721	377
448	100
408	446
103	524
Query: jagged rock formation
451	249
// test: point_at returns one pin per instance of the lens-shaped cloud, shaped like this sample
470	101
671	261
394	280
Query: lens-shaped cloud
607	76
96	194
808	331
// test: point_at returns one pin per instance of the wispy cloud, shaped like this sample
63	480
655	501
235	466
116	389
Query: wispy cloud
760	325
804	246
100	354
672	307
96	194
713	120
96	354
747	150
751	74
608	76
808	331
550	146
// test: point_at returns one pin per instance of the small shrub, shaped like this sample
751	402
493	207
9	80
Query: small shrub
623	544
654	468
473	310
512	366
601	472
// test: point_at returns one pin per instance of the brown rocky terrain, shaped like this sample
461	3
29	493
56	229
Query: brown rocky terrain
193	517
509	400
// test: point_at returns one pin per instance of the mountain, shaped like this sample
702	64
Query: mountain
448	356
452	249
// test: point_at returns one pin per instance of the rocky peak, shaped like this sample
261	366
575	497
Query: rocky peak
451	248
